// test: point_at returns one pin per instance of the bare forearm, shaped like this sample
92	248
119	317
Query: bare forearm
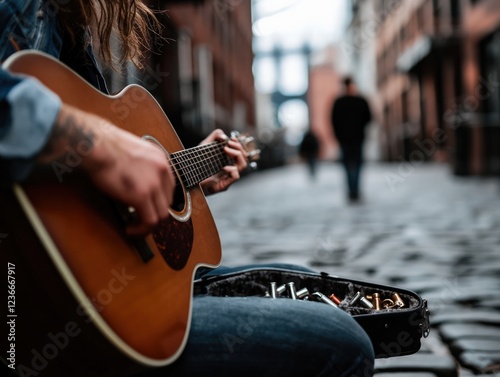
69	134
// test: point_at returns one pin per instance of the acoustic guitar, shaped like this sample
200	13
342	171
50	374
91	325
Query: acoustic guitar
89	300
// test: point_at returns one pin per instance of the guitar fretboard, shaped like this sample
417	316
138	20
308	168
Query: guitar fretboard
201	162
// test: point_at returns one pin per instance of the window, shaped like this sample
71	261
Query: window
455	12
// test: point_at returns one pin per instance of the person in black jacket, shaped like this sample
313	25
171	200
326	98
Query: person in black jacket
308	150
350	115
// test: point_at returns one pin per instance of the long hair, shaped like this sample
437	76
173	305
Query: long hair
131	22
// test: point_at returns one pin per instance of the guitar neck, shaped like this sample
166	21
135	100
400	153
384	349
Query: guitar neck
201	162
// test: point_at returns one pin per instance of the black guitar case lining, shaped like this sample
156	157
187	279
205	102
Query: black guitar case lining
394	330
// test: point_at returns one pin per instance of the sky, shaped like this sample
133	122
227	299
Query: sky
290	24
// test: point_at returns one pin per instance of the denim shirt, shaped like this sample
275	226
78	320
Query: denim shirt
28	110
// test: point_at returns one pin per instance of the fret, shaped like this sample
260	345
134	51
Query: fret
214	166
175	162
179	163
194	162
189	168
199	163
200	166
184	168
195	165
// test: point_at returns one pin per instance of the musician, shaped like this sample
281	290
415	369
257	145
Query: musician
236	336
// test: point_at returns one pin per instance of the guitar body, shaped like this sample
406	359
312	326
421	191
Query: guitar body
69	245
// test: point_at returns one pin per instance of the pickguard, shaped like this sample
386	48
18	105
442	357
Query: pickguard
174	240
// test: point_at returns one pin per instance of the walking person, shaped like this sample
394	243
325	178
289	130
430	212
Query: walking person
308	150
350	116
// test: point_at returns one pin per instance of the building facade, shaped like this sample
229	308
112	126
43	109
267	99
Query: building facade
201	74
479	108
358	49
437	66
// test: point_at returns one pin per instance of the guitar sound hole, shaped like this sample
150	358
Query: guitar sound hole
174	238
179	202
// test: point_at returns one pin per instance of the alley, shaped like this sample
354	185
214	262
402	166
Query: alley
417	227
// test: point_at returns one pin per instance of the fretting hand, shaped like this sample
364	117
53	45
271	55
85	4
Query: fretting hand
230	173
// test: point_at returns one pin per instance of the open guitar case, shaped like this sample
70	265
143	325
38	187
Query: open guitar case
395	329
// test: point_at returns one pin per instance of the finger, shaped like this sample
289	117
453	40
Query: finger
161	204
169	186
234	144
238	156
232	173
244	153
217	134
147	219
163	197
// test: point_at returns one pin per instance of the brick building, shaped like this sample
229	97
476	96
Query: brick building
437	66
479	110
202	75
324	86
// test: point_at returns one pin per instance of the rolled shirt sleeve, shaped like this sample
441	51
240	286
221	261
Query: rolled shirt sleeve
28	112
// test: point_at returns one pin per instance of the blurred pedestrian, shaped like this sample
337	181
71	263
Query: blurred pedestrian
350	116
308	150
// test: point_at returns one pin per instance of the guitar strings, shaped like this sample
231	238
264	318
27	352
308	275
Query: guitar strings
191	175
185	158
201	152
196	175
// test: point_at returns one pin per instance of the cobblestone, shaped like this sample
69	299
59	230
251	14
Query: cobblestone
430	232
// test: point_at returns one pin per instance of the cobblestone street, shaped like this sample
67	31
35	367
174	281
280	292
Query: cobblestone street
419	228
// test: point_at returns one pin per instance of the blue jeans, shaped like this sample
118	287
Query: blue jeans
236	336
352	158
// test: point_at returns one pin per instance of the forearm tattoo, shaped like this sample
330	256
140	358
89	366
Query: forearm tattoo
68	145
68	137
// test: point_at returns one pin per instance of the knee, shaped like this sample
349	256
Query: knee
363	363
353	348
